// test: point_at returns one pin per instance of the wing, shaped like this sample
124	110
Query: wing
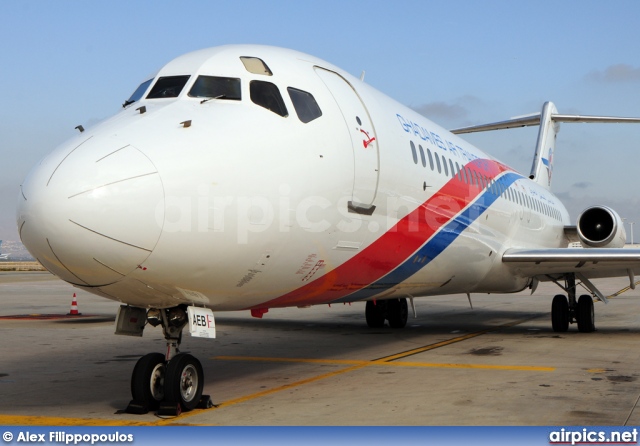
545	264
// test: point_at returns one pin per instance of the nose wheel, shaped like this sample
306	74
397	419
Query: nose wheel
170	384
147	380
184	381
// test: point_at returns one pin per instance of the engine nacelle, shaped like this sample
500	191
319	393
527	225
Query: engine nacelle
601	227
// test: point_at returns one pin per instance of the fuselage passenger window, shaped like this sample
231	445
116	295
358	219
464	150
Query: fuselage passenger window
444	165
305	104
413	152
469	177
168	87
214	87
435	154
267	95
430	159
424	161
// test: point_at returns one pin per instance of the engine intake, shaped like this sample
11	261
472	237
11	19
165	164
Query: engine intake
601	227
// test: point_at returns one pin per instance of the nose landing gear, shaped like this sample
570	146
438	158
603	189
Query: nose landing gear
170	383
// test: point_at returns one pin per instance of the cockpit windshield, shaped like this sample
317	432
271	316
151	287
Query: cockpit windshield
137	95
214	87
168	87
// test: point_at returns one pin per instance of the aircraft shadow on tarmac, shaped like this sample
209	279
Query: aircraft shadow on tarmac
101	369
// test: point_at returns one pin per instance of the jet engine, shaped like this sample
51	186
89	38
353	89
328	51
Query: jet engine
601	227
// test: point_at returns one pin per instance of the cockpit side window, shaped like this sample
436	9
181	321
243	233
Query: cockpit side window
216	87
137	95
168	87
305	104
267	95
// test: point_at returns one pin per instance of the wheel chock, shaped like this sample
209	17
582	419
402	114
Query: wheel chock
169	409
137	408
205	402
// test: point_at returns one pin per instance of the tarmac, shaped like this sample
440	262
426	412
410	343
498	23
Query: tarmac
499	363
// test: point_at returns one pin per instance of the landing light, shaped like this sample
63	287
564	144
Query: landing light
177	317
154	317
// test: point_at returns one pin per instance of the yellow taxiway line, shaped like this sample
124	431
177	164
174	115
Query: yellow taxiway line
30	420
388	364
25	420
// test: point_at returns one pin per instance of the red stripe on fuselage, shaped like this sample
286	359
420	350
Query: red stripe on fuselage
395	245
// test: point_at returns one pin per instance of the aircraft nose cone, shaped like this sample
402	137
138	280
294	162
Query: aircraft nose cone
92	212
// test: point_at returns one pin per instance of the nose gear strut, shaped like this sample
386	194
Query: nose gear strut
170	383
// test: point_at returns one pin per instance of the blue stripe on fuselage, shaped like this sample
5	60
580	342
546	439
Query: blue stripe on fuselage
436	244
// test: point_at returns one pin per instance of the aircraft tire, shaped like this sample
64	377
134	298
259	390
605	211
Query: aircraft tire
397	313
147	380
375	313
184	381
586	315
560	313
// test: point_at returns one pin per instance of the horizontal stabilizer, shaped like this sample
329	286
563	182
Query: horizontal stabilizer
523	121
548	120
526	121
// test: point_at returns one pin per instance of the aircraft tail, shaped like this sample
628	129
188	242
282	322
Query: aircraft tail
542	168
549	121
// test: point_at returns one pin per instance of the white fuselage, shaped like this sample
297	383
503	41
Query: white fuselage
226	204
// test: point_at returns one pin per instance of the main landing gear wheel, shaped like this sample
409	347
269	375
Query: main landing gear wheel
183	382
147	381
375	313
397	313
560	313
586	316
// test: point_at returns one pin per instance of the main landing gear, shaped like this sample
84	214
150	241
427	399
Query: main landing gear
170	383
393	310
566	309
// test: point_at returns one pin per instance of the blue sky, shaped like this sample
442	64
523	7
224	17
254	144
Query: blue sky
66	63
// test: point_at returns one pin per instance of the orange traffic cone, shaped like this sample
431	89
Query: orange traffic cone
74	307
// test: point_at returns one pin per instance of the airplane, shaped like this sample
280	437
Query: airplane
248	177
3	256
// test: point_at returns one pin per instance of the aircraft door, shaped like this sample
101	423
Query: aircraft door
364	142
